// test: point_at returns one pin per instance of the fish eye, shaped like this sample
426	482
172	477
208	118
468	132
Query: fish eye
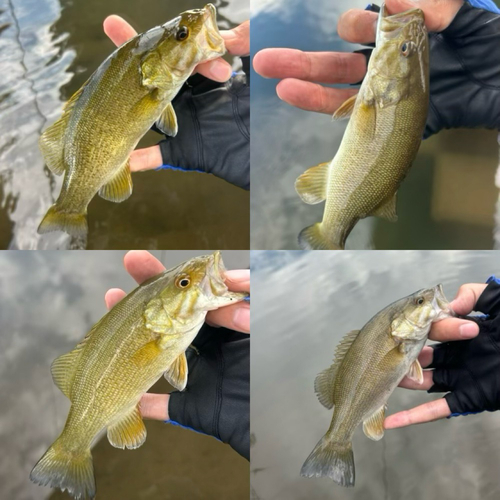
182	281
406	49
182	33
420	301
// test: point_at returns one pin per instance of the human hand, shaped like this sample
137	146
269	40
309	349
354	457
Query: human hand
462	93
447	330
237	42
142	265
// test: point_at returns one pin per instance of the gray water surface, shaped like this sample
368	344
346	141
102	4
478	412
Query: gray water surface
48	49
448	200
303	304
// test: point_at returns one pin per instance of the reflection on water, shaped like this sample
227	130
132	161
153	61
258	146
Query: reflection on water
294	337
47	51
448	199
48	301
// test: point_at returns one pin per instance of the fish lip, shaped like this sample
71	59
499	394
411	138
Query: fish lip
214	283
389	25
214	38
402	17
441	304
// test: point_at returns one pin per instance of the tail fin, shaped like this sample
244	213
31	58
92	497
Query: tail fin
66	470
57	220
312	238
331	459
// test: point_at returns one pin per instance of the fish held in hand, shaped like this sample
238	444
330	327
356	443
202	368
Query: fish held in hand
103	122
368	365
387	121
142	337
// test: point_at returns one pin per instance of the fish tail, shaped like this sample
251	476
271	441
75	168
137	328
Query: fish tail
66	469
55	219
312	238
331	459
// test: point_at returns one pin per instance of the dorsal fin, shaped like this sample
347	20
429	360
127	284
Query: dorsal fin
64	367
52	140
323	384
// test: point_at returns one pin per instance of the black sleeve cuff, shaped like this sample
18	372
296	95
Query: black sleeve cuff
489	300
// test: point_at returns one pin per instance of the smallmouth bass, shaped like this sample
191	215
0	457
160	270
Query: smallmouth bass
368	365
387	121
103	122
142	337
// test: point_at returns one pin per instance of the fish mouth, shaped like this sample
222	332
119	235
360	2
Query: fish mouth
389	26
441	304
214	284
213	40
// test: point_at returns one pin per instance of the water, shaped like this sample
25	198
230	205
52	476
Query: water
48	49
448	199
294	336
48	301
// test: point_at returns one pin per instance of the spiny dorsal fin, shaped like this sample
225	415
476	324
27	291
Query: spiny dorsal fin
129	432
119	188
323	384
415	372
167	122
177	373
52	140
311	185
346	109
373	426
64	367
387	210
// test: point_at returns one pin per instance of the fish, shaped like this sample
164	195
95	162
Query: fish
381	140
368	365
143	337
104	120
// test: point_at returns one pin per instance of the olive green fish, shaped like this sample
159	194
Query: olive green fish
368	365
144	336
387	120
103	122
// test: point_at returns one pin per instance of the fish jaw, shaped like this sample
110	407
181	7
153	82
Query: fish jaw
441	304
209	38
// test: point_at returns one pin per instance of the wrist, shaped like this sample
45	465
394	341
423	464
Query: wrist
155	406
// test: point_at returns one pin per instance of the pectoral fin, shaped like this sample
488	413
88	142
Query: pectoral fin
119	188
346	109
373	427
415	372
129	432
311	185
387	210
177	373
167	122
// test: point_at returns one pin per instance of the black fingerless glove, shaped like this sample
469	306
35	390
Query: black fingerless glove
464	71
214	128
469	370
216	400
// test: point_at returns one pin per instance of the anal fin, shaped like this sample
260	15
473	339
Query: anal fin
119	188
311	185
128	432
373	426
387	210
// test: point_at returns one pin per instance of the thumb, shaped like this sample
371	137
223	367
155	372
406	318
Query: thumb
466	298
438	13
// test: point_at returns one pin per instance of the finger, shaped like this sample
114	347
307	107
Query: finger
113	296
466	297
154	406
235	317
425	357
434	410
118	30
217	70
453	329
146	159
237	40
238	280
357	26
142	265
408	383
311	96
324	67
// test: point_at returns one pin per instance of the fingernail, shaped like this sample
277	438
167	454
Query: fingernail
278	92
228	34
241	319
468	330
219	71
